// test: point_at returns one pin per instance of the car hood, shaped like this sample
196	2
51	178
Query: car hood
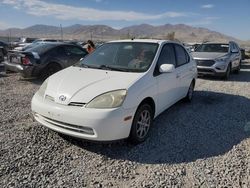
207	55
81	85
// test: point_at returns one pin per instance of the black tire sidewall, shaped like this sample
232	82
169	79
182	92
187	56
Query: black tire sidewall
238	68
50	69
187	96
227	74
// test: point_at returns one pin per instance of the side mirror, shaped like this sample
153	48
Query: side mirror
234	51
166	68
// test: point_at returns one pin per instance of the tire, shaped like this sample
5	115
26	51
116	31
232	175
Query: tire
237	71
190	92
142	123
227	74
50	69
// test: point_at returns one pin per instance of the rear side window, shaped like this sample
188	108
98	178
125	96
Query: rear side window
59	50
74	50
181	55
41	48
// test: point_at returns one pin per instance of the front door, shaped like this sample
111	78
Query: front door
167	84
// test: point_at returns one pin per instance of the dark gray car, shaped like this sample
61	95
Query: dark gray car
44	59
218	59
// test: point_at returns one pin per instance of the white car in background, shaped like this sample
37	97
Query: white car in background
105	98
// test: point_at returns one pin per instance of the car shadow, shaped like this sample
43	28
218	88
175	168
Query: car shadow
211	125
35	81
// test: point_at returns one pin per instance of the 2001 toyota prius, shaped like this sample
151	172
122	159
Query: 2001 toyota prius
117	91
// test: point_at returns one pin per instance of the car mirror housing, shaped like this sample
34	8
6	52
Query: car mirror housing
234	51
166	68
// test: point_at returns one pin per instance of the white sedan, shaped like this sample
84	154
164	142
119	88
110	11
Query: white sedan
117	91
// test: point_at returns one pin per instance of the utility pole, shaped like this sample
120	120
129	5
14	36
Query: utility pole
61	32
10	36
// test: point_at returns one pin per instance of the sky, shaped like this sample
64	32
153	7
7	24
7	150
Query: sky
230	17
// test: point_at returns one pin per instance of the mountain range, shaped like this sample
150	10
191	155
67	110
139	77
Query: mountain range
182	32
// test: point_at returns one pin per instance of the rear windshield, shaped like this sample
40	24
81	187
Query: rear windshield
41	48
220	48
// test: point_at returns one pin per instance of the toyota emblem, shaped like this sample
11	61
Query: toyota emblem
62	98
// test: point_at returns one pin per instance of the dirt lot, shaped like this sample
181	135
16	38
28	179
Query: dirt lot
202	144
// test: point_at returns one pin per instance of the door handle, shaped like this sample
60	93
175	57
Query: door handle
177	75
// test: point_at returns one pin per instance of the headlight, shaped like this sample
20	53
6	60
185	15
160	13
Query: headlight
111	99
224	58
42	88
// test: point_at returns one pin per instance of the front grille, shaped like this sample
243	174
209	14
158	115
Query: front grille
67	126
205	70
206	63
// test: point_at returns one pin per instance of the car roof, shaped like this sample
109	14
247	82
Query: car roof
46	46
56	43
158	41
215	43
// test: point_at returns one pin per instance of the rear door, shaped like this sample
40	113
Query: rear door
184	70
74	54
57	54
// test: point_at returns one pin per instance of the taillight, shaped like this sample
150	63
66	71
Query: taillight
26	61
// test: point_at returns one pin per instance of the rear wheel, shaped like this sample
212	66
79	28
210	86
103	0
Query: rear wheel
50	69
190	92
142	122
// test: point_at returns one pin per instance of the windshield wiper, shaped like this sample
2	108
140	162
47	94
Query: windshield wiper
88	66
107	67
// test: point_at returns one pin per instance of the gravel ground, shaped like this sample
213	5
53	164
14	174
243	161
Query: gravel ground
202	144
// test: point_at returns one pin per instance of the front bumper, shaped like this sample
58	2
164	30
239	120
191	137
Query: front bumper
216	69
81	122
26	71
209	71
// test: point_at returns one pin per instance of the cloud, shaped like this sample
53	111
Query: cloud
204	21
4	25
66	12
207	6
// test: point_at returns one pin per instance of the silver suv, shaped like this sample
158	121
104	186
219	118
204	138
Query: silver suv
218	59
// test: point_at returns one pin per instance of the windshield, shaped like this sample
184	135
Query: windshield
220	48
121	56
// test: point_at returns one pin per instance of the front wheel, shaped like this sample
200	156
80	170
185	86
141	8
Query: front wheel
142	122
228	71
237	71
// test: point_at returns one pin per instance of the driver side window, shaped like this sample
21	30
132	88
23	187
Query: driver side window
167	56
